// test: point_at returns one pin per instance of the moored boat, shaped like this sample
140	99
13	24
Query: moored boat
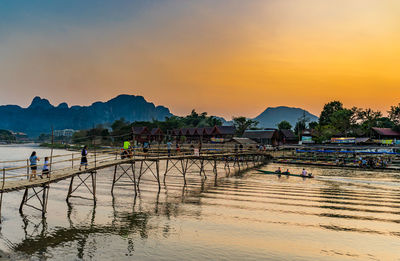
284	174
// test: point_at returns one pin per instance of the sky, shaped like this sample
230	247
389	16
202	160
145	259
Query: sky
225	57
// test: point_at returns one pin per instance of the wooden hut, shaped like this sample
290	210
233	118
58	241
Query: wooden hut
287	137
156	135
225	132
141	134
266	137
385	133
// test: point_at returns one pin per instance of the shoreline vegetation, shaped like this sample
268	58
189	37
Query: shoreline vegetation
335	121
121	130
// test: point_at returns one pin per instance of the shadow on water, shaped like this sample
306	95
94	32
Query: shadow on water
38	239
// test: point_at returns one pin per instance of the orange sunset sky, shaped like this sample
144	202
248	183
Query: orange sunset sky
228	58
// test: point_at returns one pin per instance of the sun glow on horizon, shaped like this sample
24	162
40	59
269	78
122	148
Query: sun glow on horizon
227	58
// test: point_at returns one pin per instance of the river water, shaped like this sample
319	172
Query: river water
340	215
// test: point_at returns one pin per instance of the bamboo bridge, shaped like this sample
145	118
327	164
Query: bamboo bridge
133	167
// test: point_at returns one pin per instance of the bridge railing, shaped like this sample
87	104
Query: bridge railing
22	169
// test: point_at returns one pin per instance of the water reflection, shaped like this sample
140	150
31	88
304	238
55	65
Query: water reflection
239	218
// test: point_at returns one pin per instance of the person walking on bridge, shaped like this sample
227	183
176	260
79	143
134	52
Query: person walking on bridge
33	159
169	145
84	161
46	170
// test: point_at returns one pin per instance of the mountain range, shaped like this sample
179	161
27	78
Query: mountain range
41	115
272	116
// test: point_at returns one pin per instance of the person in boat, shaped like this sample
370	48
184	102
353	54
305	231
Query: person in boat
287	172
304	173
278	170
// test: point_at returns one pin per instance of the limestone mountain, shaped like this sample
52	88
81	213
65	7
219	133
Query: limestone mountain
272	116
41	115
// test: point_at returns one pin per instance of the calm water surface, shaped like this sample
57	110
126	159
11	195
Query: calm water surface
341	215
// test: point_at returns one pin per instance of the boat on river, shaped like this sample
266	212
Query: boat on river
310	176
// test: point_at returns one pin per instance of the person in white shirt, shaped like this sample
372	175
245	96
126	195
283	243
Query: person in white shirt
304	173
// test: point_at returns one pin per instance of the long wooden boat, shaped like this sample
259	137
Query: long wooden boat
310	176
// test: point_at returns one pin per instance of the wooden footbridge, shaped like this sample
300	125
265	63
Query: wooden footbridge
132	168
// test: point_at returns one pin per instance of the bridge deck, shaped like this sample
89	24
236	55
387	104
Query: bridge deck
61	174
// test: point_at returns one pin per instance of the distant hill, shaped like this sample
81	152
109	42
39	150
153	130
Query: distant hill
272	116
41	114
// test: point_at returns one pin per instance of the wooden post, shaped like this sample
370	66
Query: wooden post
95	158
2	188
27	169
215	171
166	170
94	185
114	177
201	166
140	174
134	176
70	188
158	174
45	198
23	200
51	153
183	171
72	160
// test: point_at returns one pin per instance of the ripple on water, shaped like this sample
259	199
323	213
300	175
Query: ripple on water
340	215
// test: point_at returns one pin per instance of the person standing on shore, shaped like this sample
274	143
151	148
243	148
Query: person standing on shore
84	161
33	159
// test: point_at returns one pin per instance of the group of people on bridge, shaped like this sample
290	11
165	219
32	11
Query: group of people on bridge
34	159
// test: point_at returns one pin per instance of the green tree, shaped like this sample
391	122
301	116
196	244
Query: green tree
384	122
284	125
343	120
119	124
242	124
299	127
368	119
312	125
324	133
394	114
6	136
328	110
213	121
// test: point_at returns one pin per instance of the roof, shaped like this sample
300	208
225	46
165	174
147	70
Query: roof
184	131
176	132
140	130
259	134
386	132
192	131
209	130
362	140
200	131
244	141
288	134
156	131
225	130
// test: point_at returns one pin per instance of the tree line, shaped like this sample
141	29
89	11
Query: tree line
121	129
336	120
